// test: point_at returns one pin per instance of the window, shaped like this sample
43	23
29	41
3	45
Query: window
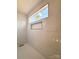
39	16
37	26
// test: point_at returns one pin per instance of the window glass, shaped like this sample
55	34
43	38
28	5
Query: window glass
39	15
37	26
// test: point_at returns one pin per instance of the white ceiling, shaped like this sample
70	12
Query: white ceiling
25	6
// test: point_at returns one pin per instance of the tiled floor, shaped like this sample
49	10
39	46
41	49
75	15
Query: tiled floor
27	52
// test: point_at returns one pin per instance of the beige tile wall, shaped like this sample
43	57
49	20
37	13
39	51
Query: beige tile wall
47	41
